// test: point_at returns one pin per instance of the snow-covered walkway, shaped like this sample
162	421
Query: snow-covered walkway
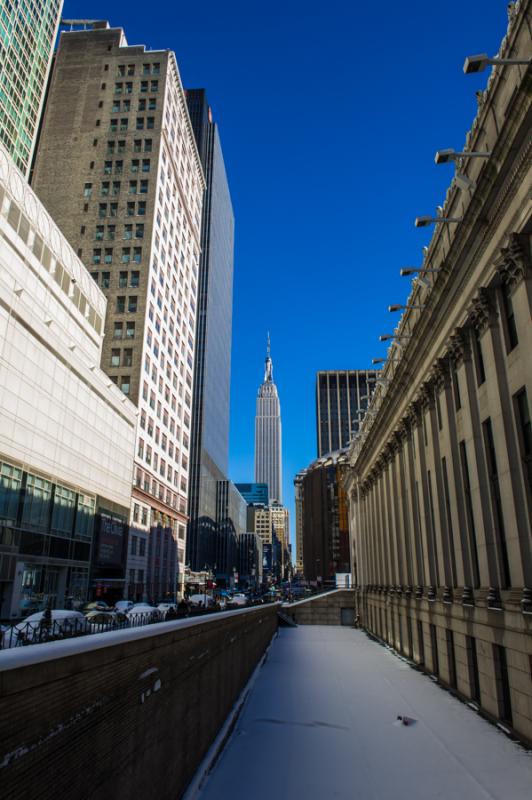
321	723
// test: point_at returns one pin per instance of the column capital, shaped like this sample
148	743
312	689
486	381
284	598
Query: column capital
426	395
441	374
482	311
513	262
459	348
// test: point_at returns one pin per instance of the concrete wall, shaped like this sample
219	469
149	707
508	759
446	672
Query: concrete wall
125	714
324	609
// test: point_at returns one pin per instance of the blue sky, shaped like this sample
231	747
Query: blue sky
330	114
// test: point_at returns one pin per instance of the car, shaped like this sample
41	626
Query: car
124	605
98	605
143	613
164	608
204	600
106	619
35	629
238	599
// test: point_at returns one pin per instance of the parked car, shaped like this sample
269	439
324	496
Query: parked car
34	629
204	600
106	619
96	605
124	605
164	608
143	612
238	599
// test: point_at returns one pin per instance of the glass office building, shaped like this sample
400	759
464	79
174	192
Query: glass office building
212	367
27	36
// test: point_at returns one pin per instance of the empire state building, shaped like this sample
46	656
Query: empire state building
268	451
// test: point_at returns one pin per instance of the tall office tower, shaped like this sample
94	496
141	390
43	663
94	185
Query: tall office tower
268	444
209	445
121	175
298	502
27	36
341	400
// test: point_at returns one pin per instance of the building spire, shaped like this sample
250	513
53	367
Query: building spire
268	370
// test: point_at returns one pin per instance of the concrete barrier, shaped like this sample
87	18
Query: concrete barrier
333	608
122	715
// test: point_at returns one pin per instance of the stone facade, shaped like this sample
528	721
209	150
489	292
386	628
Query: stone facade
440	486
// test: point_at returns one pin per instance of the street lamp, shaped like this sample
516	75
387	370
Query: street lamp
445	156
383	360
422	222
398	307
385	337
478	63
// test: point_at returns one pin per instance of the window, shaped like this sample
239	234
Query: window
106	280
128	358
144	86
128	232
137	255
130	210
502	683
126	105
472	539
116	188
456	390
141	208
123	123
108	255
113	209
132	304
130	330
111	230
451	657
10	485
150	123
130	69
110	148
134	539
154	86
63	512
98	233
142	105
140	124
125	384
87	190
104	188
122	280
479	360
133	185
509	318
113	125
144	519
144	187
115	108
36	509
524	430
115	358
148	145
472	668
135	165
119	167
139	230
128	87
134	280
137	146
498	517
120	304
126	255
146	69
121	146
152	104
117	330
156	69
145	164
97	256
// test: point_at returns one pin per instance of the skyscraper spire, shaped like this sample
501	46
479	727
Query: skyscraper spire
268	370
268	448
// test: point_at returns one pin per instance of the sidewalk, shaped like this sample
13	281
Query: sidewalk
321	723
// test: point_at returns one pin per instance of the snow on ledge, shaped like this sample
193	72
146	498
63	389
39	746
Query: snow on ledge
17	657
316	597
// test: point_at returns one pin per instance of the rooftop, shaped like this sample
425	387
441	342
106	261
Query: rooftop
321	721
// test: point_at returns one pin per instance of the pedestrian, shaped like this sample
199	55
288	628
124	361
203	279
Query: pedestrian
171	614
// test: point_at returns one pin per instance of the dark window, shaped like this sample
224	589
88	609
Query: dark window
456	390
509	317
496	502
434	646
451	658
473	553
479	359
502	683
524	428
472	667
